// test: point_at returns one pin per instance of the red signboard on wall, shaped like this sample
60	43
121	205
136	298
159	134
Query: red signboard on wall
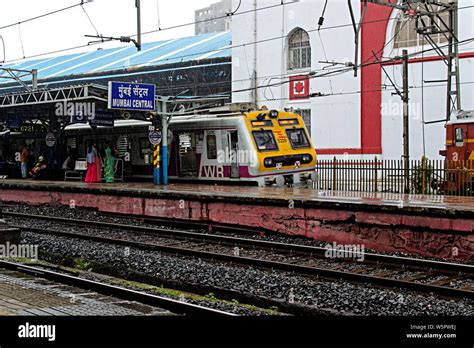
299	87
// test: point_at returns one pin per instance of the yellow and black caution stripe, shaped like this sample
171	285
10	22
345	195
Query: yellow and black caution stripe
156	156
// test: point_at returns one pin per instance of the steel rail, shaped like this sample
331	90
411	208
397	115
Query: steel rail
389	260
175	306
272	246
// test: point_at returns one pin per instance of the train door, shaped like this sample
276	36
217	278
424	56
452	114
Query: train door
187	154
232	144
213	158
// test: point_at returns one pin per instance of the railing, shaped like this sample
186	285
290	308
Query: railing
433	177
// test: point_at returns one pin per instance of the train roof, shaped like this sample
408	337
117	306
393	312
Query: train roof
117	124
253	115
461	116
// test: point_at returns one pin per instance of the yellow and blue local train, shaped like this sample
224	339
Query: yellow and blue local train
264	147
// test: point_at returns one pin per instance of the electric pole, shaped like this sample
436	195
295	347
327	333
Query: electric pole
453	90
139	31
406	140
164	140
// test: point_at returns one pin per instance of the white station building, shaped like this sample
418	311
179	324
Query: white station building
349	117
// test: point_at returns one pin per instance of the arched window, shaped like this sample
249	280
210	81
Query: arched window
405	29
299	50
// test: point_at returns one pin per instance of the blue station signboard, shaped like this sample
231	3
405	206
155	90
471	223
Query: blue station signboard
131	96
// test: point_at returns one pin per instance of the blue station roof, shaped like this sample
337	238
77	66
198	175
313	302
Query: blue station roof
213	45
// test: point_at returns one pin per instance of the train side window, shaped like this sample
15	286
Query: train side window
265	140
459	136
211	144
298	138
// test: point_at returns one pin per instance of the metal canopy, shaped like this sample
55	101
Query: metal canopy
61	94
40	105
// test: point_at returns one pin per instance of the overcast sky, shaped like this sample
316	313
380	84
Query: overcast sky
67	29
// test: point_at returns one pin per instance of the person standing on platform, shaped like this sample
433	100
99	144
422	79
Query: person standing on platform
24	155
100	163
93	165
109	165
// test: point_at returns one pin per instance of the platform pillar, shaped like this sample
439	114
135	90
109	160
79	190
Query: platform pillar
164	143
156	165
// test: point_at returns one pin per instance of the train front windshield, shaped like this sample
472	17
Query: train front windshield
297	137
265	140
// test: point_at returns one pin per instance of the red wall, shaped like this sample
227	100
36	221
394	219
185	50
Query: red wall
373	32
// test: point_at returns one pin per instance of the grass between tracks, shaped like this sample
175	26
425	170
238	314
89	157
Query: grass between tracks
83	267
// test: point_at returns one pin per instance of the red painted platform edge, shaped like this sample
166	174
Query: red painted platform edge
321	202
383	232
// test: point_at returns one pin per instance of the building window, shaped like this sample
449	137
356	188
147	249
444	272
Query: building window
299	50
405	28
306	116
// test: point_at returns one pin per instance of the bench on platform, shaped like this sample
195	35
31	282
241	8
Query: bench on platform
79	171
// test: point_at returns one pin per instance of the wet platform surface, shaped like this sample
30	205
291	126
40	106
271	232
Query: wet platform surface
304	196
26	295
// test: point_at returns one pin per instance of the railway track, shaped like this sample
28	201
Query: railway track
444	278
175	306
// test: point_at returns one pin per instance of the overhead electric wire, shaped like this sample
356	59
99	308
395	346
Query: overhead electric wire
321	18
423	103
4	53
369	91
21	41
90	20
213	18
235	11
266	40
326	74
45	14
158	13
249	43
346	69
269	39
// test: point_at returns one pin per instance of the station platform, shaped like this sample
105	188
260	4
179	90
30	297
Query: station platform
27	295
438	226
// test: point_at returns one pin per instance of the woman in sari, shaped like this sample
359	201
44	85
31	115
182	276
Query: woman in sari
93	165
109	165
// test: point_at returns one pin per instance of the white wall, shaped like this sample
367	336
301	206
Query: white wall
331	116
336	119
433	102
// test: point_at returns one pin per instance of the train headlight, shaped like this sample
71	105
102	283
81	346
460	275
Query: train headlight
306	158
268	162
273	113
